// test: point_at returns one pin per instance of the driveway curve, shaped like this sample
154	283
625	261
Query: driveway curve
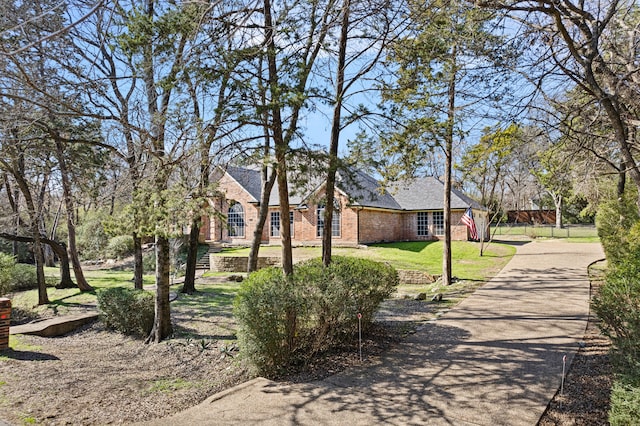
495	359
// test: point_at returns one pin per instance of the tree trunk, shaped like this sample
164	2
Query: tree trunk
189	285
622	180
43	298
557	199
83	285
162	321
285	223
268	180
49	257
138	264
327	231
281	145
448	154
60	250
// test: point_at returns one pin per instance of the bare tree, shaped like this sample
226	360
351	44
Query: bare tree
593	45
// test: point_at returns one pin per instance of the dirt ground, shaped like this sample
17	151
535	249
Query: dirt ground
94	376
587	388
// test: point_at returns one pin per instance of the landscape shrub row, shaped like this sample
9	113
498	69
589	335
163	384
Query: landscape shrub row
287	320
617	304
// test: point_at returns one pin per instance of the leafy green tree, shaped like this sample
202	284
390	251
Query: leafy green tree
157	40
368	22
553	172
441	63
287	78
486	164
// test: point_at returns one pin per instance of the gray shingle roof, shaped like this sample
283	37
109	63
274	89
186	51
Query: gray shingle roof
249	179
424	193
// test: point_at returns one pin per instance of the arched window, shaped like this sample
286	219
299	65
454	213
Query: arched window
335	220
235	220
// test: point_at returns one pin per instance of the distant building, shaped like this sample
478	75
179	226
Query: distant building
364	212
537	217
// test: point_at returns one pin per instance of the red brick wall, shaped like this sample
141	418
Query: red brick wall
459	230
376	226
5	318
306	222
233	192
356	227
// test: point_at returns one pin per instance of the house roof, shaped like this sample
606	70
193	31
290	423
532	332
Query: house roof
362	190
426	194
249	179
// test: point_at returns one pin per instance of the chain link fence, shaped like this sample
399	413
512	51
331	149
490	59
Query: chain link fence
545	231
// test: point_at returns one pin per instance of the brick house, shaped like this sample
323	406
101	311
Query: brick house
365	213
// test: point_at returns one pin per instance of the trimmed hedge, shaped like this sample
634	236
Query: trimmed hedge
127	310
268	306
286	320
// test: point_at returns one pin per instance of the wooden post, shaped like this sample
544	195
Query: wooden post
5	318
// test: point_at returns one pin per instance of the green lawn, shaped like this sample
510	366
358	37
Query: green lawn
580	233
62	299
423	256
468	265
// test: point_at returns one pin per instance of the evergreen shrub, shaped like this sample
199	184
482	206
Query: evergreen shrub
23	277
6	267
120	246
286	320
127	310
91	237
617	303
16	276
268	307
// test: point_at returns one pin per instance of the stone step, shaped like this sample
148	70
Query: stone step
203	261
55	326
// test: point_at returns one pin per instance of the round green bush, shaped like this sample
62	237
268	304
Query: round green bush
286	320
91	237
268	308
17	276
348	287
120	246
6	267
127	310
23	277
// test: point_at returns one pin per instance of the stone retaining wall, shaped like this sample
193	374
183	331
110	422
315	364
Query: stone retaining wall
238	263
416	277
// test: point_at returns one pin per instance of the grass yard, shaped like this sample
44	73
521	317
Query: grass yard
62	300
469	267
421	256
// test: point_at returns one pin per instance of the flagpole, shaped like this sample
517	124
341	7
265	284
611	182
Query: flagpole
482	235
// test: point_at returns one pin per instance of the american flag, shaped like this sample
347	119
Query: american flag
467	219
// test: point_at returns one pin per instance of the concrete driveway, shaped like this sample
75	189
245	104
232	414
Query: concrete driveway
496	359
